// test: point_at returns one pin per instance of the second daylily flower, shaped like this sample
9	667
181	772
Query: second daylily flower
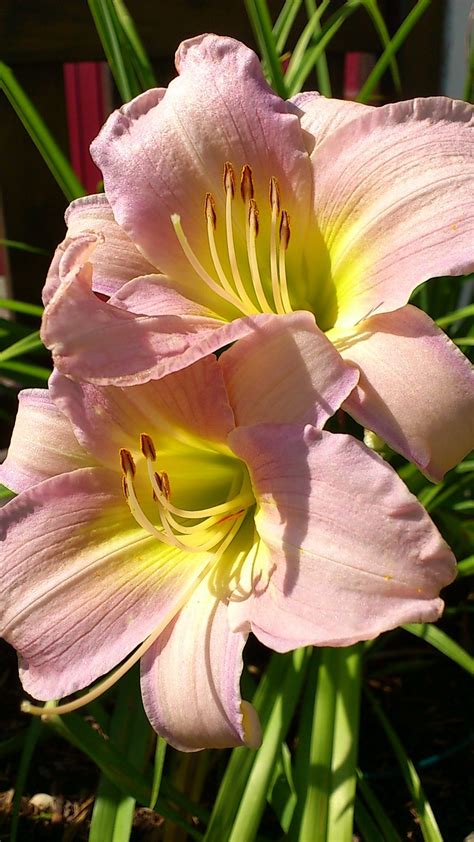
224	205
178	515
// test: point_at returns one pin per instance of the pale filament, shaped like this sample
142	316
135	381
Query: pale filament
234	291
103	686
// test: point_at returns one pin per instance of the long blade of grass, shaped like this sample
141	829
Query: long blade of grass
456	316
466	566
260	20
16	244
108	28
300	71
284	23
138	54
29	343
443	643
254	797
389	834
378	20
20	307
160	753
322	70
391	49
34	124
311	34
32	736
25	372
129	730
428	823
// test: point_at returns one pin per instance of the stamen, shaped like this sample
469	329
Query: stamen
199	268
147	447
252	233
275	208
126	461
103	686
211	218
246	184
229	186
284	240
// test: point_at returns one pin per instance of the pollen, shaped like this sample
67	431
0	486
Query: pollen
248	273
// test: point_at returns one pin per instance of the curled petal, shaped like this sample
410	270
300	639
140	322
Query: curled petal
81	584
416	389
286	372
190	679
353	552
394	202
42	445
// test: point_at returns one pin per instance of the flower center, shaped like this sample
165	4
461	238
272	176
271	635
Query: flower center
249	285
194	530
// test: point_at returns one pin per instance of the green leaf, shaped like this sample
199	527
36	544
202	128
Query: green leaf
466	566
111	35
391	49
254	797
137	52
301	69
373	10
160	752
16	244
428	824
443	643
58	164
32	736
311	34
260	20
20	307
456	316
284	23
5	494
26	373
389	834
24	346
322	71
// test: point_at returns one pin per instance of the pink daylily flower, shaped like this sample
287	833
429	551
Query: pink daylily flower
226	207
178	515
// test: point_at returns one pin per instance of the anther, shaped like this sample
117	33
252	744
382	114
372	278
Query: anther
246	184
125	487
127	463
229	178
274	194
210	208
165	483
253	217
147	447
159	481
284	230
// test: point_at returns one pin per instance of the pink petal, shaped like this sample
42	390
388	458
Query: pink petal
114	261
153	295
354	553
82	585
321	116
416	389
105	419
94	341
190	678
287	371
161	154
394	202
42	445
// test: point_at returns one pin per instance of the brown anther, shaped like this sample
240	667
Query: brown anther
211	209
159	481
166	485
147	447
229	178
155	498
284	230
274	194
253	216
125	487
246	184
127	463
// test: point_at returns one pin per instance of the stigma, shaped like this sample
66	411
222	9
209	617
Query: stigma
192	530
250	277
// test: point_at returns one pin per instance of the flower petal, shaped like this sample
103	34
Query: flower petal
353	552
190	678
42	444
82	585
161	154
108	418
287	371
394	202
321	116
416	389
94	341
115	260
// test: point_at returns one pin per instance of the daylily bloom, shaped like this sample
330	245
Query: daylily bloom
225	204
178	515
